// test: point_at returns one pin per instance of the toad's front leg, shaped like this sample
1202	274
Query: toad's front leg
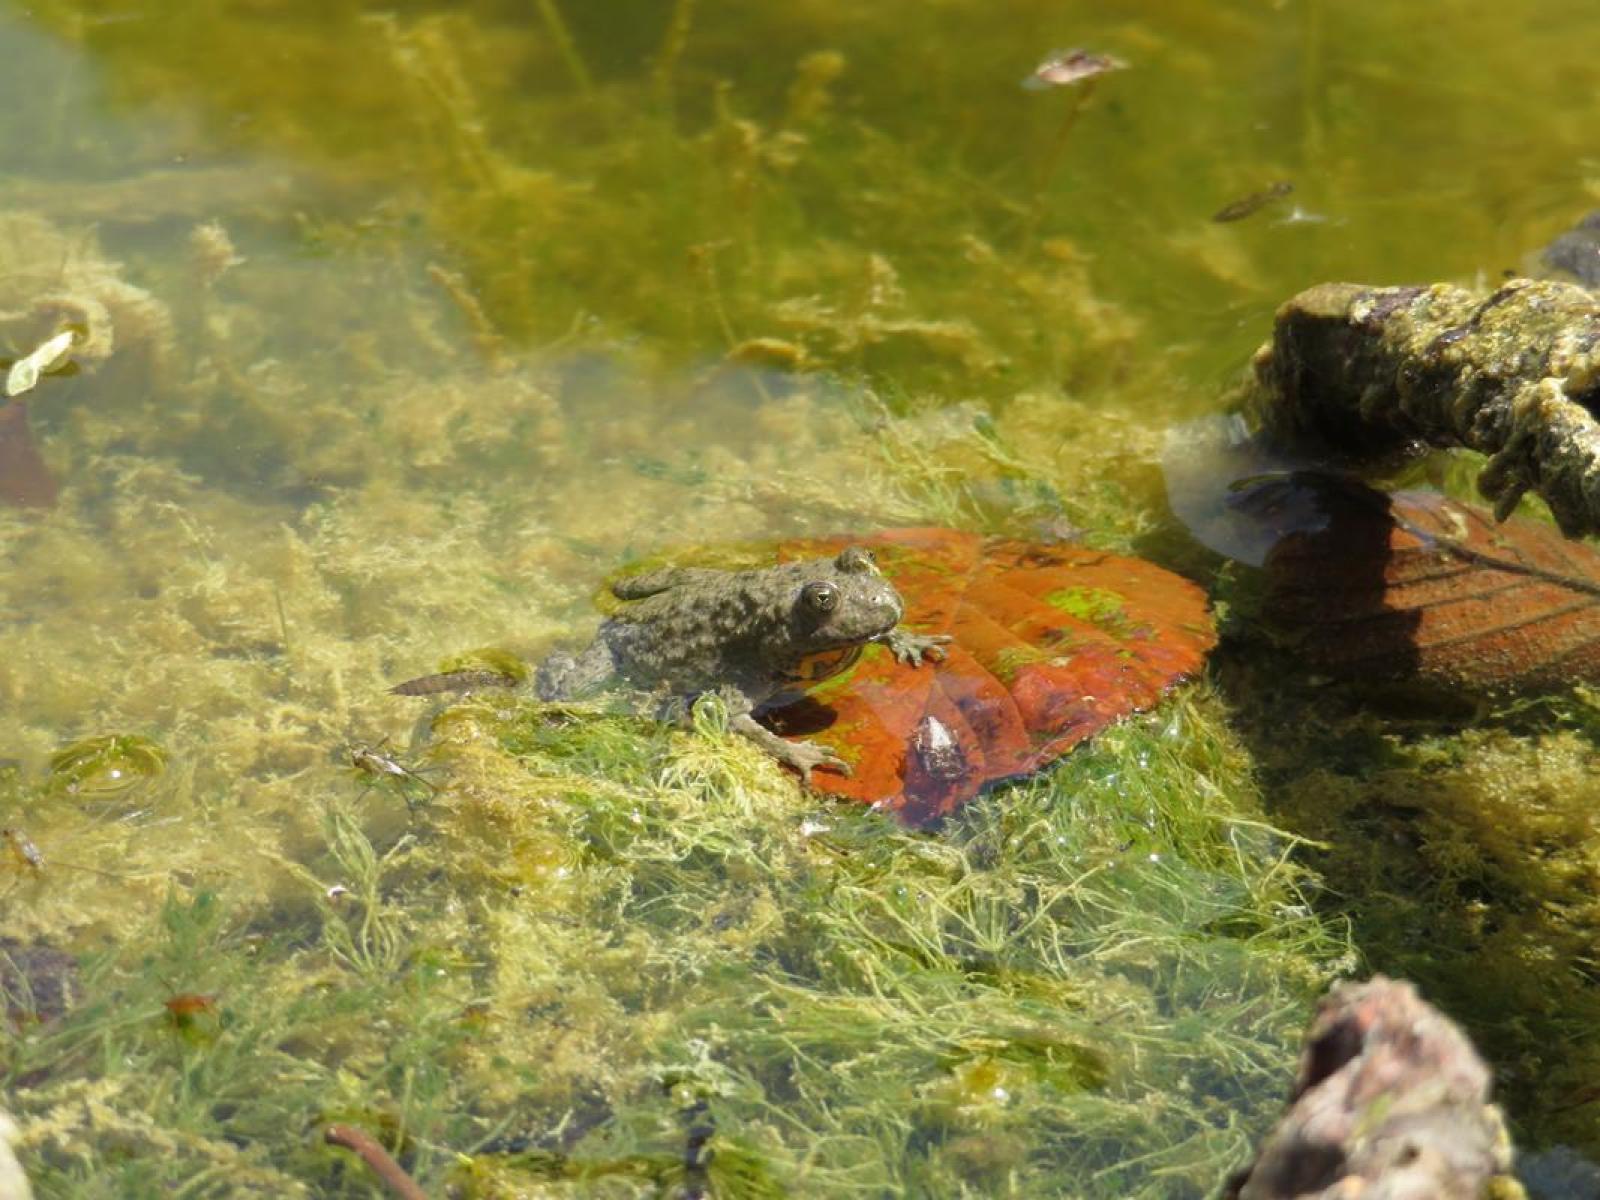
804	757
912	648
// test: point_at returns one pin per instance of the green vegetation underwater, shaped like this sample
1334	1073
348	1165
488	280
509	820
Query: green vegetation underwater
401	326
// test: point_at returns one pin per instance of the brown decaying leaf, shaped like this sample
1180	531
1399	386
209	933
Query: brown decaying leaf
1051	643
1413	585
24	479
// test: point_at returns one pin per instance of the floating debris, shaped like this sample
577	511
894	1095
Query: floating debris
1246	206
25	372
1303	216
1063	67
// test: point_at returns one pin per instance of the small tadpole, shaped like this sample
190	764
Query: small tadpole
379	766
454	681
1244	206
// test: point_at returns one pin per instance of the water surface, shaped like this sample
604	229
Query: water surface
415	322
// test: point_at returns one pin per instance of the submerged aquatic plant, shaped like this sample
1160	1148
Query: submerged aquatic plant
611	958
102	767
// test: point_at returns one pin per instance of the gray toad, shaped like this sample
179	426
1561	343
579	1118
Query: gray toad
751	637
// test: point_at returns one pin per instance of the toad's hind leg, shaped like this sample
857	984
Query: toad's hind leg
804	757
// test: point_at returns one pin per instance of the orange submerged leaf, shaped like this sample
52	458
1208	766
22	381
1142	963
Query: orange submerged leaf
1415	586
1050	644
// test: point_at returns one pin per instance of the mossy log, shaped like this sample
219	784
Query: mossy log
1514	375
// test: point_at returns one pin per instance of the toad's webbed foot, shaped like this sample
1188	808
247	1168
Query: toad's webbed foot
804	757
912	648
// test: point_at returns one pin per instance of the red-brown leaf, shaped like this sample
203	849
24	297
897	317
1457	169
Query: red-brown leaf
1415	585
24	479
1051	643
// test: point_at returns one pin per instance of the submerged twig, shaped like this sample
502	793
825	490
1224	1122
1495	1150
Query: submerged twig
376	1157
485	337
1058	145
1064	68
672	45
565	46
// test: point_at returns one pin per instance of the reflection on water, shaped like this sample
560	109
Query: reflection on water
394	333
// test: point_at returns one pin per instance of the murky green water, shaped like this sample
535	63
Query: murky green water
409	324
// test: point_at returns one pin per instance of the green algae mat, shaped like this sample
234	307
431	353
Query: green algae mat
396	330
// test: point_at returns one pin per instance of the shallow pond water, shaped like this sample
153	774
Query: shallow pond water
402	327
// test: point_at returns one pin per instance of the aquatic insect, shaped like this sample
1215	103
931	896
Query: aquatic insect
185	1007
1244	206
29	856
379	766
23	848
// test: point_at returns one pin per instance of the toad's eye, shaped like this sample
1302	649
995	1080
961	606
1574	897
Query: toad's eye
820	597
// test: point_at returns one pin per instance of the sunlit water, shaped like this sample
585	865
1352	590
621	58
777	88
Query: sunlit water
413	325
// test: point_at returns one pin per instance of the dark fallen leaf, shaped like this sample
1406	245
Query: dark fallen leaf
24	479
1051	643
1413	585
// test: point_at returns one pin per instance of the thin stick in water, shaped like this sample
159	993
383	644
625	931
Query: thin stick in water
376	1157
565	46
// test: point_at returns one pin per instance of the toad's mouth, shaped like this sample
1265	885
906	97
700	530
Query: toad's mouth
817	665
846	641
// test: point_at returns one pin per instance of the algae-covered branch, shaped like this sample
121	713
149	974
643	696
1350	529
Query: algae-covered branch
1515	375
